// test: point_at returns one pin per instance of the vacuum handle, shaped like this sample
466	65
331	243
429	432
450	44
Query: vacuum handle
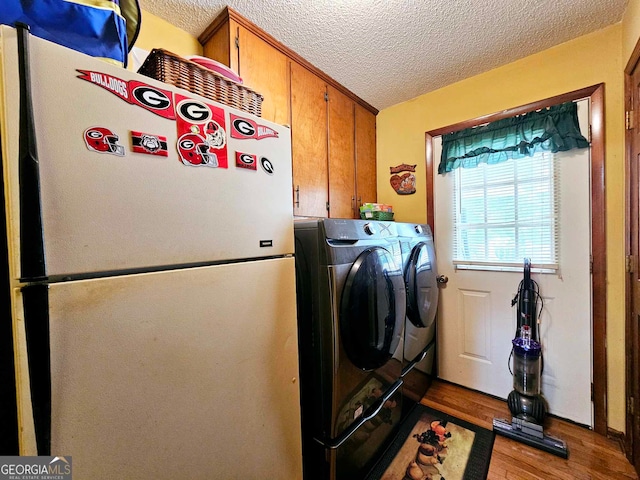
527	273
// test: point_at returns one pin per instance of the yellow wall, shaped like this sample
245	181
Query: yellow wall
630	29
588	60
157	33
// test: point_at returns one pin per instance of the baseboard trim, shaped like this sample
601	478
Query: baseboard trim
621	438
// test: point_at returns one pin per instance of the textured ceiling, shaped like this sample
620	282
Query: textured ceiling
389	51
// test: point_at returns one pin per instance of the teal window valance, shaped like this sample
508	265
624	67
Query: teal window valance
553	129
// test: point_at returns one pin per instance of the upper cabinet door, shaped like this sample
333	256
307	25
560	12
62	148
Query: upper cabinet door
265	70
342	171
333	147
309	142
365	156
218	46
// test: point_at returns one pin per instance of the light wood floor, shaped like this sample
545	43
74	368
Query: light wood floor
591	456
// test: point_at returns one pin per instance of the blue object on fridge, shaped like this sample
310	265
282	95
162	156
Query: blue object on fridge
106	29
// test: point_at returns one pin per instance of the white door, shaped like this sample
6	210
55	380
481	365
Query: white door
476	322
181	374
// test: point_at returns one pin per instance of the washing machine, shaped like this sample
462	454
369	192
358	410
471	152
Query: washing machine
419	339
351	312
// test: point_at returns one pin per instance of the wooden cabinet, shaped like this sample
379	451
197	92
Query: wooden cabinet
333	131
365	131
342	166
266	70
219	43
261	66
309	142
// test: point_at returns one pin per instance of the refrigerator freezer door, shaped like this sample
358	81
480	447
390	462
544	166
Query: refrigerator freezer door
183	374
105	212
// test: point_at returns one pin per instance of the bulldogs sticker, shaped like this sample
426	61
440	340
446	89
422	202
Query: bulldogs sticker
103	140
202	139
153	99
266	165
246	160
245	128
149	144
195	151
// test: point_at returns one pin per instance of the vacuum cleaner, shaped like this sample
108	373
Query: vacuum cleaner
527	405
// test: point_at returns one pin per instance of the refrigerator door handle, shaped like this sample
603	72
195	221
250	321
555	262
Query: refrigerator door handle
368	415
32	257
35	301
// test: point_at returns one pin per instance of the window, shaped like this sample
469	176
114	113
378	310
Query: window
505	212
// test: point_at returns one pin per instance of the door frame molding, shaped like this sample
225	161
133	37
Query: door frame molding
598	223
629	440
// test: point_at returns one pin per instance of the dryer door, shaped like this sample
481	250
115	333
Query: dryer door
422	288
372	309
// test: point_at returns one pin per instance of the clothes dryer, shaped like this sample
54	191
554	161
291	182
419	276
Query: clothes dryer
351	312
420	274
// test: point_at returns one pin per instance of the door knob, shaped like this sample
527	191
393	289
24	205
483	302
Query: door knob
442	279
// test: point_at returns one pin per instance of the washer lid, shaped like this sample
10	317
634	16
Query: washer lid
372	309
422	287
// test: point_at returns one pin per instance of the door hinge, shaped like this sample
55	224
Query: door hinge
628	119
327	206
589	134
593	393
628	263
326	96
630	405
237	42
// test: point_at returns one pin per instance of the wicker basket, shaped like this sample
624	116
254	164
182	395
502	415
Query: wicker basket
180	72
381	216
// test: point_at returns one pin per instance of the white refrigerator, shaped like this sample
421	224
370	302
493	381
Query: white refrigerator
150	243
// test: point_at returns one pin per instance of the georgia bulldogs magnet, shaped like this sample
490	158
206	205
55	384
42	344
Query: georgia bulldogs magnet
103	140
266	165
153	99
149	144
246	160
202	140
245	128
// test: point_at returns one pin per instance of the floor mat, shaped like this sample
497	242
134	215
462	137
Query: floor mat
432	445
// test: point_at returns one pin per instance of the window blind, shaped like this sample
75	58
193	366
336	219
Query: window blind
505	212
